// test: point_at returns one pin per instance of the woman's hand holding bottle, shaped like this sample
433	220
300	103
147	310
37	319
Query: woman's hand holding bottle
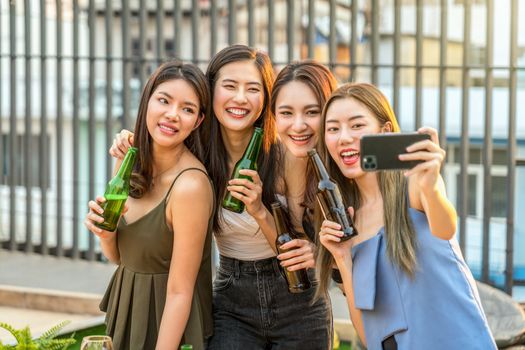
330	237
249	192
300	255
122	141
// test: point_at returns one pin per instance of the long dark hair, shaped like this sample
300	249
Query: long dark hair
322	82
141	180
215	155
400	236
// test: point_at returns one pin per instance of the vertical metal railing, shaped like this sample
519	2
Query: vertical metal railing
443	73
60	133
44	150
13	147
91	109
76	131
464	147
419	62
487	149
28	178
397	57
126	58
511	156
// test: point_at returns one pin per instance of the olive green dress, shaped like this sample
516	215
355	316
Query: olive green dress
136	294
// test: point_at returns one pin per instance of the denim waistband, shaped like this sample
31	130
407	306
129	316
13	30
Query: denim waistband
253	266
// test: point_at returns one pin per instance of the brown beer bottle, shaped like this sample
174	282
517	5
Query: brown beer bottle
330	198
298	280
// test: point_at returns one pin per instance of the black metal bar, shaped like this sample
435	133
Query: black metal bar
397	57
91	116
487	140
177	15
271	28
28	166
213	27
44	156
419	59
375	40
464	183
232	22
311	28
195	20
76	131
353	41
160	30
109	81
290	28
126	73
443	75
142	42
251	23
60	133
511	166
520	162
13	147
332	36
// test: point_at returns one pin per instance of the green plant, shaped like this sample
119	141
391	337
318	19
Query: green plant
47	341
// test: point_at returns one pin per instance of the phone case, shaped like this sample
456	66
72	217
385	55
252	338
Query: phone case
381	151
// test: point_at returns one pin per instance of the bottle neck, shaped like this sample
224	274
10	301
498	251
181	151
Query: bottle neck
320	169
278	216
127	164
254	147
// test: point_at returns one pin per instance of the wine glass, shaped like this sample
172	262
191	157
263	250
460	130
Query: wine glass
97	342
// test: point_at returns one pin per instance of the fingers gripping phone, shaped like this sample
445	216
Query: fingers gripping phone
381	151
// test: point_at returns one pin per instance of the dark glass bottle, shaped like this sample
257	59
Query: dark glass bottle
247	161
298	280
330	198
117	191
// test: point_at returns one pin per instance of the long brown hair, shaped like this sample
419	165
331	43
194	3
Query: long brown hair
215	154
141	180
322	82
400	235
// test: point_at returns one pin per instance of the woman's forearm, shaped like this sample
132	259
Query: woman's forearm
110	249
267	225
174	319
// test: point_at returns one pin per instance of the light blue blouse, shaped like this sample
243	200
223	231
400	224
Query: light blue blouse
439	308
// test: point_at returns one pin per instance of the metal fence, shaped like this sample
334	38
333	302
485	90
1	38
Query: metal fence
71	72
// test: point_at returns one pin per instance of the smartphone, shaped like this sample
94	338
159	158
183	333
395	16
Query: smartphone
381	151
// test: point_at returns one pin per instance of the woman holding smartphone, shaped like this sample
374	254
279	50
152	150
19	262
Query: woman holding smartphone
405	280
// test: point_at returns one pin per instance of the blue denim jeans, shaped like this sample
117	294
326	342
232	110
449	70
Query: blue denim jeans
252	309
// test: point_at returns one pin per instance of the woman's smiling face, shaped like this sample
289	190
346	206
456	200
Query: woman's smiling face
347	120
238	95
298	117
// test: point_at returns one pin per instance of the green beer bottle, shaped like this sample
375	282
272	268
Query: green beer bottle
247	161
117	191
298	280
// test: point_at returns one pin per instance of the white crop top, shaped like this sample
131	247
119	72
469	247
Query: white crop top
241	238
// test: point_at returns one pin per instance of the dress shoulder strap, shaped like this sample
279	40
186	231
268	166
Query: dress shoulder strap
178	175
